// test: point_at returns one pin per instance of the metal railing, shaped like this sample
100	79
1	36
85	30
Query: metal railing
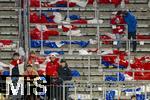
27	28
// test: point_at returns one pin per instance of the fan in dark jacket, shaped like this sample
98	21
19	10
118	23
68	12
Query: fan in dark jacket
64	74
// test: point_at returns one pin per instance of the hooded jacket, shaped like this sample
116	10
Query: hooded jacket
131	22
64	73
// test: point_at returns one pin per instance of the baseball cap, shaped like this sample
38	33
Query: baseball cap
52	55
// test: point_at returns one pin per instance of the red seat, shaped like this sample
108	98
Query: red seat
34	3
6	42
80	21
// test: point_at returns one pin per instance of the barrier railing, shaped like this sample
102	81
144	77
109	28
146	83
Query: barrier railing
39	87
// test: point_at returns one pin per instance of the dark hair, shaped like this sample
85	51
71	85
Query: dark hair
16	54
133	96
119	12
64	61
29	65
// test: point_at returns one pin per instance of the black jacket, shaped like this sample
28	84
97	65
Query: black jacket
64	73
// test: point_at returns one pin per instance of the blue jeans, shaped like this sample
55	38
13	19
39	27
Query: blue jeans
118	38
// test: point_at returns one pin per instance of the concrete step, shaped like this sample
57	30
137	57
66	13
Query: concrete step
7	4
8	29
8	21
8	16
7	0
8	13
9	33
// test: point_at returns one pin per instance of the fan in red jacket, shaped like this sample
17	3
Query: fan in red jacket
16	60
118	18
52	66
115	21
118	29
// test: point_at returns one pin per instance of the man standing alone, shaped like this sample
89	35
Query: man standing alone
131	21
